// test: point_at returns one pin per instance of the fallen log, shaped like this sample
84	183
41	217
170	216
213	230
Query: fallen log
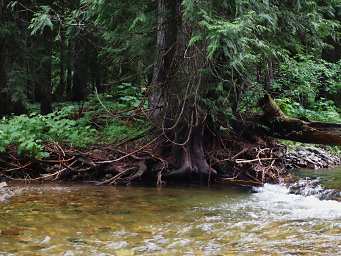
274	123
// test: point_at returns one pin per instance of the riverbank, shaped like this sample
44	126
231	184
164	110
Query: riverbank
111	143
141	161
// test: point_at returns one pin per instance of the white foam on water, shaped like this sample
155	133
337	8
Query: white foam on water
276	200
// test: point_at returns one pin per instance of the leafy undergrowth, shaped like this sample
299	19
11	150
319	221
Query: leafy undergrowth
100	120
323	111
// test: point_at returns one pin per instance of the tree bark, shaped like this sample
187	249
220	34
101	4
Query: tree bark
174	108
165	47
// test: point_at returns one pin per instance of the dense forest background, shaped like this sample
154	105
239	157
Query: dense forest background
89	71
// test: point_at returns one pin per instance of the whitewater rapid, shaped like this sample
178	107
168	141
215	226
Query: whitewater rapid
277	202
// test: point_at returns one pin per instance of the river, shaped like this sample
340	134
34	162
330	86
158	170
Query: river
88	220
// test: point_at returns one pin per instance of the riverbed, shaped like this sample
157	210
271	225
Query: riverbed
88	220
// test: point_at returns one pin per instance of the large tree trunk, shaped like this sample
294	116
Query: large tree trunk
165	51
276	124
175	86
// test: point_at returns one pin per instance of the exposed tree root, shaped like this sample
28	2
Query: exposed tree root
205	156
240	163
246	156
193	160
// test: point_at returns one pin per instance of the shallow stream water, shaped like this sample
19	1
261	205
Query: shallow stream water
89	220
330	178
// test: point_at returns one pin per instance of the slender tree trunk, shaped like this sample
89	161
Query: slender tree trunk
69	71
269	77
29	84
96	70
80	70
4	101
62	67
45	72
61	87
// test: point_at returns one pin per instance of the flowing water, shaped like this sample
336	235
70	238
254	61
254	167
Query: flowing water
89	220
330	178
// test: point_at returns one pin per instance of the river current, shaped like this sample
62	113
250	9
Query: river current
89	220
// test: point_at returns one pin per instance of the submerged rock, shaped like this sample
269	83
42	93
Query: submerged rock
5	192
312	158
312	187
